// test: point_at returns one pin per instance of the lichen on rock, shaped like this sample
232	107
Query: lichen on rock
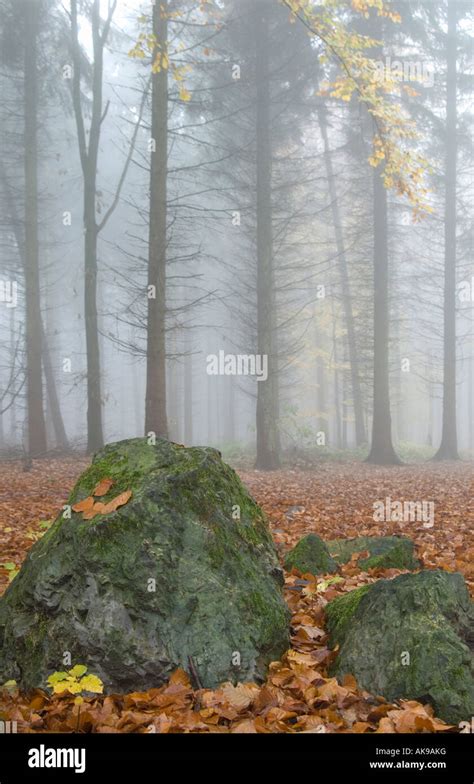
385	552
311	556
411	637
186	571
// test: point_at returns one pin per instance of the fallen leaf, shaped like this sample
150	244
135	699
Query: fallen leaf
84	505
103	487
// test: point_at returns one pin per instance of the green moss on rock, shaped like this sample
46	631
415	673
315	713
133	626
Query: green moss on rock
411	637
385	552
341	610
310	555
170	575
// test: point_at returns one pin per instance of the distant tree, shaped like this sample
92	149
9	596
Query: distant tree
89	145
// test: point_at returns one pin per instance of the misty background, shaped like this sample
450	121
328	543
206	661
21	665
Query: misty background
178	183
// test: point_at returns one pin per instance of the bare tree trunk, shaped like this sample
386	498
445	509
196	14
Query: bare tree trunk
188	393
230	412
155	400
210	411
51	388
89	153
448	449
35	411
360	432
266	420
13	408
56	416
321	383
382	450
95	437
337	410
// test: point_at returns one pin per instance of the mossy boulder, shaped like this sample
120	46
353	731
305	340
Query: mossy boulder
184	574
411	637
310	555
385	552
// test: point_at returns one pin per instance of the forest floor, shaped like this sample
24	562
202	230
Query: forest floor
334	500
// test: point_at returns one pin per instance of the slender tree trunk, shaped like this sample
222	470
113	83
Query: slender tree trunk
35	411
382	450
155	398
344	412
448	449
398	401
360	432
89	153
230	412
172	389
55	409
337	410
210	413
13	408
188	393
95	437
266	420
321	383
51	388
470	395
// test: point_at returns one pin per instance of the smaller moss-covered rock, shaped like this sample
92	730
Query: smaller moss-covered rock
385	552
409	638
310	555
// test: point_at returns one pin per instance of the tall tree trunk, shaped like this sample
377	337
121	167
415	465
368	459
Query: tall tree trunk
448	449
95	437
323	424
230	410
35	410
210	411
337	410
360	432
89	157
51	388
55	409
266	419
188	392
382	450
89	152
155	399
13	408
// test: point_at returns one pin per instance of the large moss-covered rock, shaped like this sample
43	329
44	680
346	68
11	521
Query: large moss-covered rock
186	568
310	555
385	552
411	637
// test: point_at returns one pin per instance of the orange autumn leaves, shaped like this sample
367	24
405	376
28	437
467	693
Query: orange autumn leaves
299	694
90	507
296	698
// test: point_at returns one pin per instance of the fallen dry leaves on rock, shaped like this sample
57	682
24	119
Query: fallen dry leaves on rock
298	696
91	508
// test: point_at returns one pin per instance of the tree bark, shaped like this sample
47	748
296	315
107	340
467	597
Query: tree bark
266	419
55	409
448	449
89	155
382	451
155	401
51	388
35	410
188	393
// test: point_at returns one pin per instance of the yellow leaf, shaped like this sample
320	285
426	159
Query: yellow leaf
78	670
184	94
91	683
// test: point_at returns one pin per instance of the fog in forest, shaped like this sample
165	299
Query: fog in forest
217	228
